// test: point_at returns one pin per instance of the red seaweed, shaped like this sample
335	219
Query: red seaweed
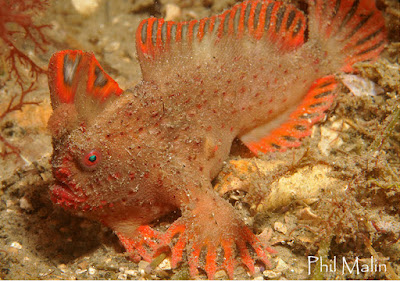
16	23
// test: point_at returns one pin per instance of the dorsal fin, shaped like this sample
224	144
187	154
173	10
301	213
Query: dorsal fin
355	27
280	23
70	69
76	77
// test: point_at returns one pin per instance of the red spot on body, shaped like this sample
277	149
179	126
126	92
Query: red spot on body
209	128
271	100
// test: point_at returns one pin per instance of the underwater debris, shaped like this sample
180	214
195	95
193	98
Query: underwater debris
360	86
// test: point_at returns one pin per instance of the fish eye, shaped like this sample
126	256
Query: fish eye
91	159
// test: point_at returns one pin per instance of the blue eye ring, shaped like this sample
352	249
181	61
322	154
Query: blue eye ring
92	158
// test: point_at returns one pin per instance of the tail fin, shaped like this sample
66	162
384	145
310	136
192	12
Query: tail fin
354	28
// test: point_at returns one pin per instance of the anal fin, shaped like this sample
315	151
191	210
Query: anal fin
298	125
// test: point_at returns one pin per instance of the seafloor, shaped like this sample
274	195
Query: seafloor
336	196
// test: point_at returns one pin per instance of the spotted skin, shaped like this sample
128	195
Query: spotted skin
127	158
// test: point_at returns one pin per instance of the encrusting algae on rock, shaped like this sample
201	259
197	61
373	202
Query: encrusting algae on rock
127	158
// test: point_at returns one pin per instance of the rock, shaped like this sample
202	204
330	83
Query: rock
360	86
172	12
165	265
85	7
278	226
16	245
62	267
83	264
25	204
91	270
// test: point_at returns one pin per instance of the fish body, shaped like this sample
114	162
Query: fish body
126	158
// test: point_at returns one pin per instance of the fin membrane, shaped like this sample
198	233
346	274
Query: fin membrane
356	27
312	109
73	73
280	23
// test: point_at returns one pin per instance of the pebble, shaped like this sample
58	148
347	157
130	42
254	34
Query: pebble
122	276
142	267
24	204
165	265
80	271
281	265
83	264
62	267
172	12
91	270
16	245
280	227
85	7
9	203
270	274
131	272
221	274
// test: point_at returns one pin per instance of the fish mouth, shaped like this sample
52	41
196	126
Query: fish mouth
62	194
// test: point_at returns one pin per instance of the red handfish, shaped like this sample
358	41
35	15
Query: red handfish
257	71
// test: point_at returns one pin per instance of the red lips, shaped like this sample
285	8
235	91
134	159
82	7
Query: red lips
61	194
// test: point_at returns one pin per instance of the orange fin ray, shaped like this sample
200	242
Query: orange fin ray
145	245
278	22
356	27
312	109
210	264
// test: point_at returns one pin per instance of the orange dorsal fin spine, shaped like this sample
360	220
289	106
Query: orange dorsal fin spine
73	73
281	23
